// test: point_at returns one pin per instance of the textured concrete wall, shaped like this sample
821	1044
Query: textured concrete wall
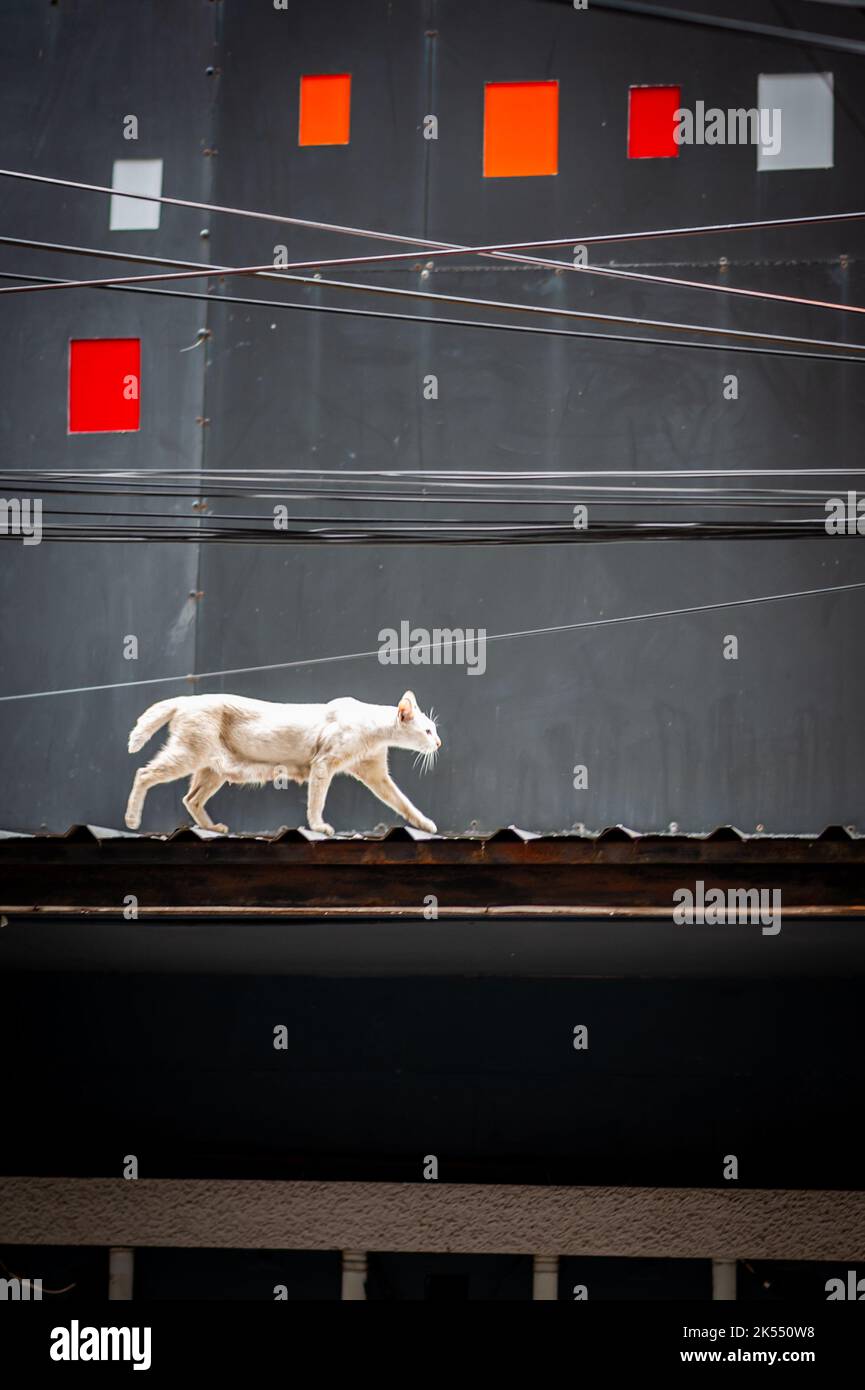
627	1222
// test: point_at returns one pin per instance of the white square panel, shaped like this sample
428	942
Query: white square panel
135	176
806	102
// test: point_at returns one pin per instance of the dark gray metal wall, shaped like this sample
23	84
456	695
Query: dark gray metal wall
669	730
180	1070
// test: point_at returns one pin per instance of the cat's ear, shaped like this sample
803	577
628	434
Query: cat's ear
406	707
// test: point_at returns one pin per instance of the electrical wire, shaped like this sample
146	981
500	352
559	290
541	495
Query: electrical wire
495	637
428	476
447	248
442	322
424	243
468	301
741	26
401	490
429	535
269	271
670	497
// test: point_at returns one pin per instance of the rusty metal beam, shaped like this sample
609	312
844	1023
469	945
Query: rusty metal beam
369	912
568	876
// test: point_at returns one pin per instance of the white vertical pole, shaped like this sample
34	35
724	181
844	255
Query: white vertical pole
724	1281
121	1264
545	1284
354	1275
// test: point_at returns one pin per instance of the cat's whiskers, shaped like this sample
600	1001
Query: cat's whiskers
427	760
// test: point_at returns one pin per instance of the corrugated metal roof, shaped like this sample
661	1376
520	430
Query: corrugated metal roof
512	833
91	869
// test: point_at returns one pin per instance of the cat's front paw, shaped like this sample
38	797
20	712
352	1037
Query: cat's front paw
428	825
323	828
132	820
221	829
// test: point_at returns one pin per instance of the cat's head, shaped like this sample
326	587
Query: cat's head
415	729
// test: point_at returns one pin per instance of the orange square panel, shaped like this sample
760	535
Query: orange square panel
521	129
325	109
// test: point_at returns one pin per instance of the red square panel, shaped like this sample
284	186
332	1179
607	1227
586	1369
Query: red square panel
104	384
325	109
651	122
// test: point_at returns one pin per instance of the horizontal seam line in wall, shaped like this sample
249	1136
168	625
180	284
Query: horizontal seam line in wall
842	261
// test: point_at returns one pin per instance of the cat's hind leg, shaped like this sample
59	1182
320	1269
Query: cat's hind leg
203	784
170	763
320	777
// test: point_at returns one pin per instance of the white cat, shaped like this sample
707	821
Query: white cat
227	738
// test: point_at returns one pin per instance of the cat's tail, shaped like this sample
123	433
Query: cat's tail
151	720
